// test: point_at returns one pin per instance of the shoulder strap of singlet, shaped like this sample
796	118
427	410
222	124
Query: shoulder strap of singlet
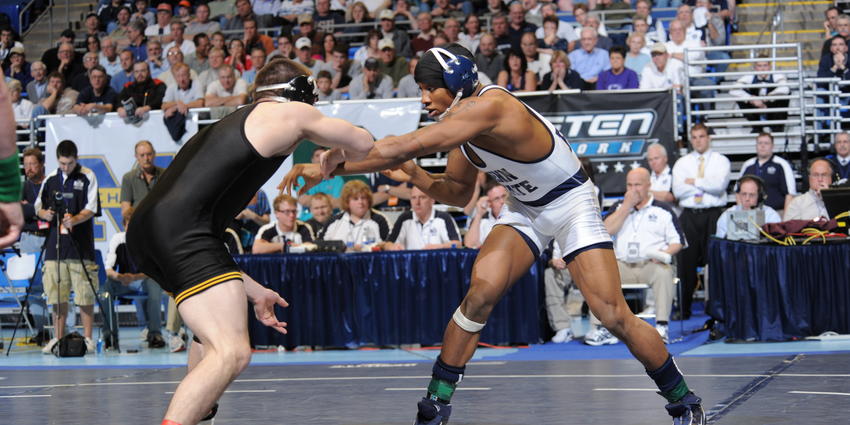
493	86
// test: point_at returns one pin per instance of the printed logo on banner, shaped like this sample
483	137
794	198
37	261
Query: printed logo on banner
109	191
624	133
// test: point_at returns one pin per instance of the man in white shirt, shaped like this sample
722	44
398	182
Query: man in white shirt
538	63
216	63
488	211
700	179
810	206
660	177
174	56
277	236
685	15
662	72
423	227
108	57
20	106
748	98
646	235
161	30
676	48
749	195
177	31
229	90
184	94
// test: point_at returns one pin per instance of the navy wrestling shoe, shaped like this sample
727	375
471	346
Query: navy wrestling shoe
432	412
687	411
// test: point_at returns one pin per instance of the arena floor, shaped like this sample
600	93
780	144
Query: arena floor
805	382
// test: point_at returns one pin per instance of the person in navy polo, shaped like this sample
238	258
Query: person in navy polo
775	171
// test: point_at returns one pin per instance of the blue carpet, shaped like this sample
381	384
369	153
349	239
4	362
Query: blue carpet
577	350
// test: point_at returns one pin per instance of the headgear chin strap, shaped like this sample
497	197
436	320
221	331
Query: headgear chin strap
460	74
299	89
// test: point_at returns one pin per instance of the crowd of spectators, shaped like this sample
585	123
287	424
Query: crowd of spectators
525	47
134	58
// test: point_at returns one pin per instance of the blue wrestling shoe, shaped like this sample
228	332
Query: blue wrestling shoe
687	411
432	412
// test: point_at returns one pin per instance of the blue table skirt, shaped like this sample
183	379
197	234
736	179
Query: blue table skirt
775	293
384	298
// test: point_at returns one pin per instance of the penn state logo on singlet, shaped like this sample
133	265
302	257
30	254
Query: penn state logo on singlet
534	183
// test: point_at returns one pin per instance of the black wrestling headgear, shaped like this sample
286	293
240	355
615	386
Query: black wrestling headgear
299	89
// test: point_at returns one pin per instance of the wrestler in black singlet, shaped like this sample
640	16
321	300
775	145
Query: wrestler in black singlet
178	229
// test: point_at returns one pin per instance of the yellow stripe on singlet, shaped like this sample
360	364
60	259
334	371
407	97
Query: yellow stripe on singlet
206	284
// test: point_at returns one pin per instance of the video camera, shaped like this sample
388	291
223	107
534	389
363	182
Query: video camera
57	203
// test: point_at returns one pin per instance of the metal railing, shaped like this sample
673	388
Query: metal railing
817	108
707	108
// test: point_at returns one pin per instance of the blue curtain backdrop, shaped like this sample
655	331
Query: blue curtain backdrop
776	293
384	298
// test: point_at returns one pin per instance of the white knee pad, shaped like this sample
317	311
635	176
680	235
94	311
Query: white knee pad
466	324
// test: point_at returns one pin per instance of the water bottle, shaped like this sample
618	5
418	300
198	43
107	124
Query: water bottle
99	349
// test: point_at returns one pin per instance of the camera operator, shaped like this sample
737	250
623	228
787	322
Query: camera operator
68	201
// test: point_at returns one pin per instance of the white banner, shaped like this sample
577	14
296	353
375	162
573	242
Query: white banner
381	118
105	145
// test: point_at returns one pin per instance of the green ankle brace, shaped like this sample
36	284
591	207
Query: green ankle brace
676	393
441	390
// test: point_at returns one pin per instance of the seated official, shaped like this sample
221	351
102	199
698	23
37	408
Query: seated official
423	227
810	206
750	195
123	278
321	209
278	235
359	226
489	210
646	235
563	299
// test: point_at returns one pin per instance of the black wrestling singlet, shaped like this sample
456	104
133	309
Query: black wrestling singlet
176	233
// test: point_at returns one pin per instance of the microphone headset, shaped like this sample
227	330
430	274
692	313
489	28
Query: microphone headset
762	194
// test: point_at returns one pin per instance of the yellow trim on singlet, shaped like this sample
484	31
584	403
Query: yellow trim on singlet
206	284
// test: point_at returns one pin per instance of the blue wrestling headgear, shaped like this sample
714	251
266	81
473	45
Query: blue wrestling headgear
459	72
299	89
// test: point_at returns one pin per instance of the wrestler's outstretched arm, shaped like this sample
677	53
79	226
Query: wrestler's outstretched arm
276	128
470	118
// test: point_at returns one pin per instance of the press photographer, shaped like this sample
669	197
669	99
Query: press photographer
68	201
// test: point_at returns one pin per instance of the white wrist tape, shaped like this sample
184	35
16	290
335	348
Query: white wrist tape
660	256
466	324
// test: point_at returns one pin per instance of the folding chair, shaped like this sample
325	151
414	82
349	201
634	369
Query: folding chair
17	272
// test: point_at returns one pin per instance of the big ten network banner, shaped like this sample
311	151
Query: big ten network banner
611	129
105	144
